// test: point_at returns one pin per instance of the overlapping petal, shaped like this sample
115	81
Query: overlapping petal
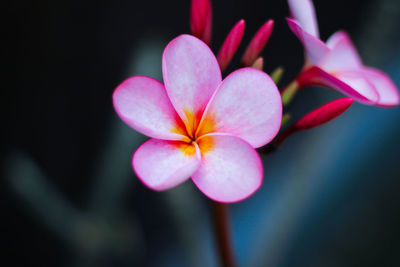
343	54
304	12
315	49
142	103
161	164
384	86
346	82
230	168
247	104
191	74
359	84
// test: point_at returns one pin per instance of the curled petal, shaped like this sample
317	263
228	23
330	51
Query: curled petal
387	90
257	44
230	45
314	48
247	104
361	85
143	104
349	83
201	19
161	164
230	168
343	53
324	114
191	75
304	12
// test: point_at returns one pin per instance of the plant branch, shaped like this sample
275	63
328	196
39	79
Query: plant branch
222	233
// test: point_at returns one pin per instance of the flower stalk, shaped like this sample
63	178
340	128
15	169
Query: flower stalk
277	74
289	92
220	216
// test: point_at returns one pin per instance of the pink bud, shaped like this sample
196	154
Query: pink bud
324	114
230	45
316	118
257	44
201	20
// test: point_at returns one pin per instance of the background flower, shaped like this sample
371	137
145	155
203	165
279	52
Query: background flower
337	64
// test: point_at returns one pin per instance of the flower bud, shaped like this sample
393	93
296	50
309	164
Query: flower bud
230	45
257	44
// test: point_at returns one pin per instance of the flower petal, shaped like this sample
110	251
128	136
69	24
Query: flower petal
361	85
230	45
349	83
387	90
247	104
161	164
343	53
230	168
314	48
143	104
304	12
191	74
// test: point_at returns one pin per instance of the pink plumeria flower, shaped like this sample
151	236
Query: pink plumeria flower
200	126
336	63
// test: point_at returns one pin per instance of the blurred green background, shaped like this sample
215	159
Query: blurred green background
68	194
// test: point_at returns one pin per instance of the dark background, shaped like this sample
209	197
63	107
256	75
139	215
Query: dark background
68	194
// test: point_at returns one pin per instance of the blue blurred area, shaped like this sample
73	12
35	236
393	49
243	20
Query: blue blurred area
330	195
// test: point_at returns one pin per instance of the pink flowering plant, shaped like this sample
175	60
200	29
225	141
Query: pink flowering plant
207	129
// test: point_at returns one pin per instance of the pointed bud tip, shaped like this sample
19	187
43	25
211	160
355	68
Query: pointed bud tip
324	113
257	43
230	45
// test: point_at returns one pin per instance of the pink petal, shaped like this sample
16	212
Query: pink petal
324	114
230	45
191	75
143	104
351	84
343	53
201	19
314	48
161	165
248	105
257	44
304	12
361	85
387	90
230	169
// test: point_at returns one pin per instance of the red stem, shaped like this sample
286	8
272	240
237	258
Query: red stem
222	230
